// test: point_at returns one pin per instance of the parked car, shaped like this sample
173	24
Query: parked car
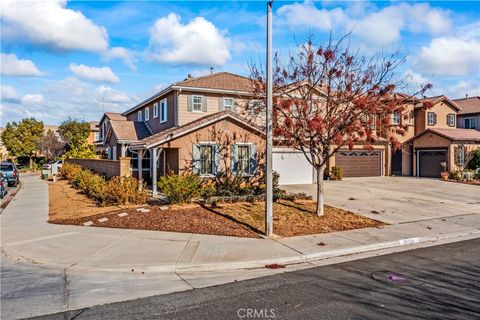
3	186
54	166
10	171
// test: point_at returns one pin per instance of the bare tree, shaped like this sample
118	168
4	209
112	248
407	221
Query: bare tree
50	145
327	97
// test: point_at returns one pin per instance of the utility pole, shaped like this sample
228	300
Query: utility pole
269	114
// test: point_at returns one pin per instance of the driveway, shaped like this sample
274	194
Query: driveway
399	199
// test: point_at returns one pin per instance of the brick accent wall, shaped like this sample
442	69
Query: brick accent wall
107	168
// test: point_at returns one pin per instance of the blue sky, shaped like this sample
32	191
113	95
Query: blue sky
79	58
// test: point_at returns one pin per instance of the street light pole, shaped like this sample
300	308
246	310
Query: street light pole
269	139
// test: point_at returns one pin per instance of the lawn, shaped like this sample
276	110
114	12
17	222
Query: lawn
69	206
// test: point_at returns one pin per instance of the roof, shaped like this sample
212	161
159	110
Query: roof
173	133
216	82
220	80
94	126
437	99
129	130
453	134
115	116
468	105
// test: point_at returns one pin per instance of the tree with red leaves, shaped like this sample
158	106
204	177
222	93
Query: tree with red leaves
327	97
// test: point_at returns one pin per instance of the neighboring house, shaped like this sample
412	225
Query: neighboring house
437	139
469	116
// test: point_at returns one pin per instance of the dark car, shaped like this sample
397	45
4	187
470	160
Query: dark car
3	186
10	171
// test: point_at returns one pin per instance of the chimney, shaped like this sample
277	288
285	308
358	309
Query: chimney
466	95
189	76
211	70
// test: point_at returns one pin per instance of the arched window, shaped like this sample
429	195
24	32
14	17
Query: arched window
461	155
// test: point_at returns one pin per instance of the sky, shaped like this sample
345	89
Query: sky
77	59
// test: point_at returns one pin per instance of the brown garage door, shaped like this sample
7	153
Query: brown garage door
429	163
360	163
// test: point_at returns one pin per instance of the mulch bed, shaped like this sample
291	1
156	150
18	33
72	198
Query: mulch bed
193	219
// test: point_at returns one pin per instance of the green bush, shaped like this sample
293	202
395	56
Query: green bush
181	188
125	190
456	175
474	162
336	173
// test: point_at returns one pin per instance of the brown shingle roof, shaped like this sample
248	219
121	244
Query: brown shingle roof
129	130
468	105
171	133
115	116
453	134
220	80
437	99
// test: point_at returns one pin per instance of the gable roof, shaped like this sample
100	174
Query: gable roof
437	99
112	116
176	132
452	134
468	105
129	130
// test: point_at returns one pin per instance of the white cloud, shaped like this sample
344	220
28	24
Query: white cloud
198	42
51	23
32	99
107	94
306	14
449	56
12	66
102	74
461	88
8	93
124	54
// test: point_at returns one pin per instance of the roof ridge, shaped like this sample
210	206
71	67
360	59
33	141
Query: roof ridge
211	75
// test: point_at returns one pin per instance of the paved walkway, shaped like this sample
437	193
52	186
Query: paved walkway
152	262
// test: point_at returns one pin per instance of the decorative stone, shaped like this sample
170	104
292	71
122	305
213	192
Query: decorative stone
143	210
102	219
123	214
88	223
163	207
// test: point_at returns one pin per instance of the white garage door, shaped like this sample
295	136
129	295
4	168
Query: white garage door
292	167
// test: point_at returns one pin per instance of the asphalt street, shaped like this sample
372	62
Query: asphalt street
441	282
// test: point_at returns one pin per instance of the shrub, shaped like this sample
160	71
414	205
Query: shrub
336	173
474	162
83	151
456	175
69	170
182	188
125	190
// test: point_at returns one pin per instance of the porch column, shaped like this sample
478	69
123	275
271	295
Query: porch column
123	150
154	155
140	158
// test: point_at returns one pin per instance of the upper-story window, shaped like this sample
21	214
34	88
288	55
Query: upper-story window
197	103
431	118
163	110
139	115
396	116
227	104
155	110
470	123
96	136
451	120
147	113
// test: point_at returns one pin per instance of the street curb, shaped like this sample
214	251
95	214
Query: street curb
261	263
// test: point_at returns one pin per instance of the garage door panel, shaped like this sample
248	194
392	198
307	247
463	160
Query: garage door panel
293	168
429	163
359	163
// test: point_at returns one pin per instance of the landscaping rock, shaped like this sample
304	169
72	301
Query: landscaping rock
88	223
123	214
143	210
163	207
102	220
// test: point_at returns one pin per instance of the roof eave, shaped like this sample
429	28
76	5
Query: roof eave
148	100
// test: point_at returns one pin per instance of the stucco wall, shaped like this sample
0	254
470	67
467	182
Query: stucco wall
107	168
441	109
154	123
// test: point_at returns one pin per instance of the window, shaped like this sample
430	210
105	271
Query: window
163	110
114	153
470	123
451	120
139	115
147	113
461	155
396	117
227	103
243	160
96	136
431	118
411	116
155	110
197	103
206	159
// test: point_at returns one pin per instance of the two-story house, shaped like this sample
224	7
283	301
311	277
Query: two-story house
437	139
469	116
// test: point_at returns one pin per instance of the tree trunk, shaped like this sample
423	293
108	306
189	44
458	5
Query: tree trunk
320	192
30	162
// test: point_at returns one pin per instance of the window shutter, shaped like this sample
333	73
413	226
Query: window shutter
221	106
434	118
189	103
196	159
204	104
234	159
252	163
233	104
216	159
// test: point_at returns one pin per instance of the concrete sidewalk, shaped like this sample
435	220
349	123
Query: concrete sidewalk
98	265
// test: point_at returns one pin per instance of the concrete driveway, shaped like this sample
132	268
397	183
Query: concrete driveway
399	199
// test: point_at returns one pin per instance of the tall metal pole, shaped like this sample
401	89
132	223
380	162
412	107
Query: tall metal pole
269	146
